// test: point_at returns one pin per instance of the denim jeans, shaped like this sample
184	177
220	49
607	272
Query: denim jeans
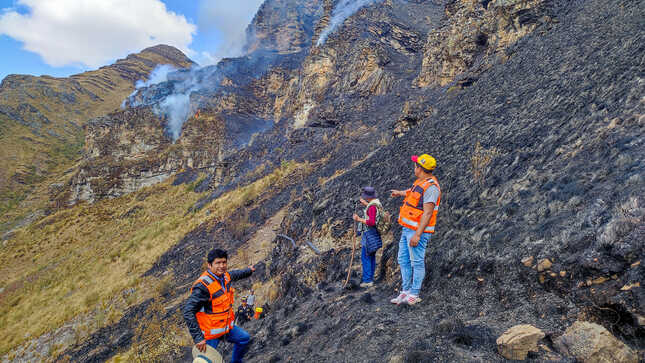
369	265
237	336
412	261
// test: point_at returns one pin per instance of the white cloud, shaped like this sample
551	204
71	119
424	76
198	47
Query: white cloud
229	19
93	33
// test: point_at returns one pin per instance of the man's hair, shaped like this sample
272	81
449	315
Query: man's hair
217	253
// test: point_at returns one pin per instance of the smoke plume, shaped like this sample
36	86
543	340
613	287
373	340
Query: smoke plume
343	10
168	91
158	75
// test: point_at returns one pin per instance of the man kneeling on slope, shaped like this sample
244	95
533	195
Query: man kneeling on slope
208	311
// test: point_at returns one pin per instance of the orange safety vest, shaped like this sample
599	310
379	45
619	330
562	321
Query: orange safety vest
216	319
412	209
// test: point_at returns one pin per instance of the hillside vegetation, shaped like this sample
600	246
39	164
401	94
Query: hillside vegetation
42	121
534	109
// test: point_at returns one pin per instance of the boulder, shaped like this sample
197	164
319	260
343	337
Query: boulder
518	341
592	343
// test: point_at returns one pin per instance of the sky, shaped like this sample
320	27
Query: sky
64	37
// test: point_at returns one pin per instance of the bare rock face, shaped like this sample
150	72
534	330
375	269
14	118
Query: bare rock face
127	150
518	341
592	343
476	30
285	26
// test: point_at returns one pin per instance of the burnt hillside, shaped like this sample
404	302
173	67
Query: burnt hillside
534	111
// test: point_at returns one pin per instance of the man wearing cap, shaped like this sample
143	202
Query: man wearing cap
417	217
244	312
370	237
208	311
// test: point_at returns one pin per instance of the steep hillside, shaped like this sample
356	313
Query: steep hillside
534	110
42	118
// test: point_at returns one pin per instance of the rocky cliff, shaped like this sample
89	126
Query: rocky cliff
42	118
534	111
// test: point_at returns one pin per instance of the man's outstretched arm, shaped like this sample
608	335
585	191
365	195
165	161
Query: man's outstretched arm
241	274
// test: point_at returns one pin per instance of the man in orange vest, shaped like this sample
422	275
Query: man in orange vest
208	311
418	217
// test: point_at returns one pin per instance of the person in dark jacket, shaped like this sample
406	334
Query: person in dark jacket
244	312
208	311
370	237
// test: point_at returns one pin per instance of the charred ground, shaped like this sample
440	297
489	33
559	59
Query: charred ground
540	154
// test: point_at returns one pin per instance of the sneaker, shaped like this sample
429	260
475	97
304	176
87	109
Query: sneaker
366	284
399	299
411	299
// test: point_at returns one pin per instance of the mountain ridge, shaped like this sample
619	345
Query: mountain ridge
533	109
42	118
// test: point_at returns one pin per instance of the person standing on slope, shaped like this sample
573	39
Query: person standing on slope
208	311
370	237
251	300
417	217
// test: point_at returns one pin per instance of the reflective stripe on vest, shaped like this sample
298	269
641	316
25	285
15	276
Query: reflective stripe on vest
428	229
412	209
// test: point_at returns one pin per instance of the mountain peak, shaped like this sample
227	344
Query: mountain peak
169	52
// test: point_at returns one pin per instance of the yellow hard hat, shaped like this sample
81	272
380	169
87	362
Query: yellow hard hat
211	355
425	161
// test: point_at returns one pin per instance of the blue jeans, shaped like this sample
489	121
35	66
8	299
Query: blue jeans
369	265
412	261
237	336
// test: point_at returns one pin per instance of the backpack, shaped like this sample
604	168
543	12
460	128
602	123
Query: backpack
383	219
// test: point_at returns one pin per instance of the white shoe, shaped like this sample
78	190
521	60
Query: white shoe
366	284
411	300
401	298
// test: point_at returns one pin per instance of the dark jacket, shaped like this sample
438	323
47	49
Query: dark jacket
244	313
200	298
371	239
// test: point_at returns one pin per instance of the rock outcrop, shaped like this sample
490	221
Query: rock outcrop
592	343
477	35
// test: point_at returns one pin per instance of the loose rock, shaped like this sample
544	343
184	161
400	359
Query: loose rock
517	341
527	261
591	343
544	264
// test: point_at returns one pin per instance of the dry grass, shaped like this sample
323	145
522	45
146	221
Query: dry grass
227	204
157	339
480	160
82	257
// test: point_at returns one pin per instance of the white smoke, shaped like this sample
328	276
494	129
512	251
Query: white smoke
343	10
176	107
228	22
158	75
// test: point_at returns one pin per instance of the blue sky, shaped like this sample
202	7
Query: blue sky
64	37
